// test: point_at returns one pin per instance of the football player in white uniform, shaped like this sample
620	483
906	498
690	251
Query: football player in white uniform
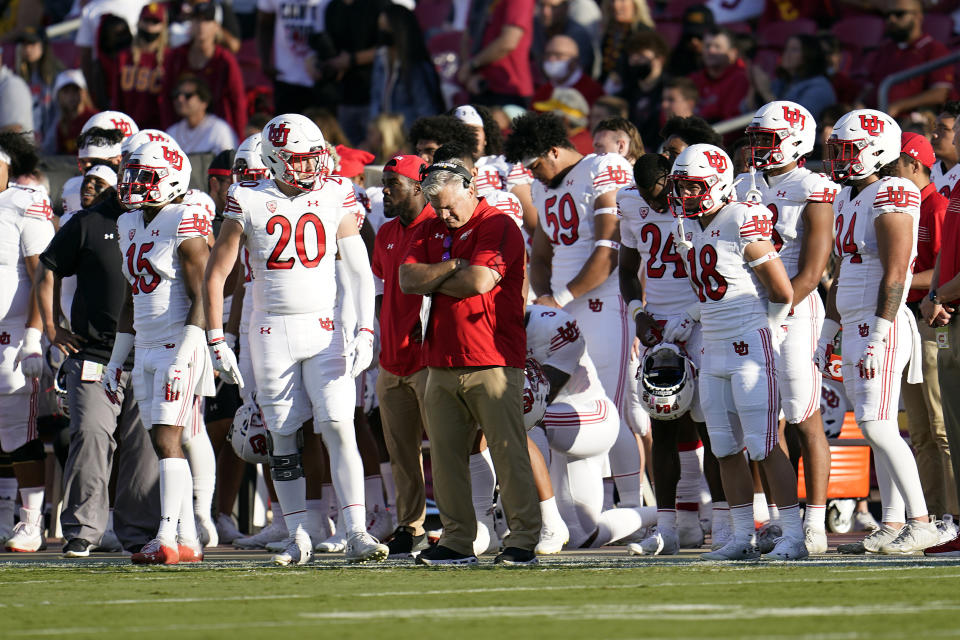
25	231
663	294
293	226
800	201
164	245
581	425
744	297
574	261
945	173
876	224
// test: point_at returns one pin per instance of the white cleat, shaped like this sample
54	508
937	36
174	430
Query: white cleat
362	547
661	543
109	542
720	532
27	536
298	551
275	532
871	543
864	521
815	540
379	522
207	531
227	530
767	536
788	549
334	544
947	528
735	549
913	538
552	539
689	531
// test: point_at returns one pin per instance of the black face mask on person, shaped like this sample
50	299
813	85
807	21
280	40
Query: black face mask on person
641	70
385	38
148	36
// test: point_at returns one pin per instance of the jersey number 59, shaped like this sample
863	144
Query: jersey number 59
565	217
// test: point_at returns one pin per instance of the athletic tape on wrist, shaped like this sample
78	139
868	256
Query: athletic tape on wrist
563	297
607	243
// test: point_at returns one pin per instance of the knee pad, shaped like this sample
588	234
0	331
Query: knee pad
288	466
30	452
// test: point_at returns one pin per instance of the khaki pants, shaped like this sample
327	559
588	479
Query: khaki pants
401	413
928	437
458	399
948	367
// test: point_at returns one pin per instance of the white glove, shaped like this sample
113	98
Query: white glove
30	355
870	361
175	378
678	328
223	358
359	352
777	317
231	340
122	344
827	345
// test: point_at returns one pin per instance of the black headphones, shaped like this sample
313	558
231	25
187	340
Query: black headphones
461	171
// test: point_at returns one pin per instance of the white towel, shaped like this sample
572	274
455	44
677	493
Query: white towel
915	366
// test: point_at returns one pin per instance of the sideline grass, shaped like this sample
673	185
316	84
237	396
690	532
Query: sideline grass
603	595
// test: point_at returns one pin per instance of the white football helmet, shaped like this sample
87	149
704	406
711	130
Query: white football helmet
667	382
833	407
154	174
294	150
248	434
710	168
112	120
536	388
143	137
863	141
781	132
248	162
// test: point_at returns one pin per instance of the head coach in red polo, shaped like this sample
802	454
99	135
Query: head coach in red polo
403	375
468	264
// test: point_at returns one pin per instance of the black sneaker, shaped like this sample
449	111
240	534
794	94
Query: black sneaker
403	543
441	556
516	557
77	548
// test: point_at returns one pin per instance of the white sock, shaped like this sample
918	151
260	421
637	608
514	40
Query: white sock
691	472
373	492
8	488
187	526
549	513
667	520
815	517
203	469
774	512
790	522
109	520
354	519
386	472
760	510
292	495
622	522
171	495
482	481
742	516
31	498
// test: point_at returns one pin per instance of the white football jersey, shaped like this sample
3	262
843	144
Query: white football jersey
151	264
70	196
566	215
292	242
517	176
25	230
375	201
732	300
944	182
554	339
492	174
665	285
785	196
855	242
203	201
509	204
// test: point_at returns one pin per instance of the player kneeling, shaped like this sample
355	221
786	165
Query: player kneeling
164	244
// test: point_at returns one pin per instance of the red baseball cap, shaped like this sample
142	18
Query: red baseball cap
352	161
918	147
154	11
408	166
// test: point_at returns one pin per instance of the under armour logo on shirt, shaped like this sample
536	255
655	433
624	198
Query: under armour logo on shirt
108	236
390	246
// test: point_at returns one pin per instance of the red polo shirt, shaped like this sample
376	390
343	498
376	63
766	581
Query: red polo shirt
399	312
892	57
722	98
483	330
933	207
950	241
511	74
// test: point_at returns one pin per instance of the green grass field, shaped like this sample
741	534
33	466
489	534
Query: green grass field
601	594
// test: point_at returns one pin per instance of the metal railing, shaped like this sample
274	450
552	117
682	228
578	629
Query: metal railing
63	28
733	124
883	91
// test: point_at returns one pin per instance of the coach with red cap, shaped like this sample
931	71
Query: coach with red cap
922	401
468	263
403	376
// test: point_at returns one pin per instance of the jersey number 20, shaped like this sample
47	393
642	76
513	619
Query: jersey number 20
278	221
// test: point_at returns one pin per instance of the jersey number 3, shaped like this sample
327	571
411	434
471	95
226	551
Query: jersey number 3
278	221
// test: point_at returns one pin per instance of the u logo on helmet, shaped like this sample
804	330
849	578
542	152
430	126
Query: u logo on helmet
871	124
277	135
173	158
156	137
716	160
123	125
794	117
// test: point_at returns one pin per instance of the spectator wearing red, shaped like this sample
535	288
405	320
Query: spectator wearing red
73	108
204	58
571	107
908	46
135	76
561	66
403	376
723	83
495	52
922	401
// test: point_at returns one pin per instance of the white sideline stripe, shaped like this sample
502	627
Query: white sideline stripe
289	596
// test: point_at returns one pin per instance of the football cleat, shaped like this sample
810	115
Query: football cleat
788	549
767	536
379	522
156	552
914	537
404	543
274	532
299	550
516	557
689	531
947	528
27	536
227	530
190	551
871	543
334	544
362	547
950	549
660	543
441	556
864	521
207	531
815	539
552	539
78	548
735	549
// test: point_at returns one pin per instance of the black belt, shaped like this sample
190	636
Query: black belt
915	308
